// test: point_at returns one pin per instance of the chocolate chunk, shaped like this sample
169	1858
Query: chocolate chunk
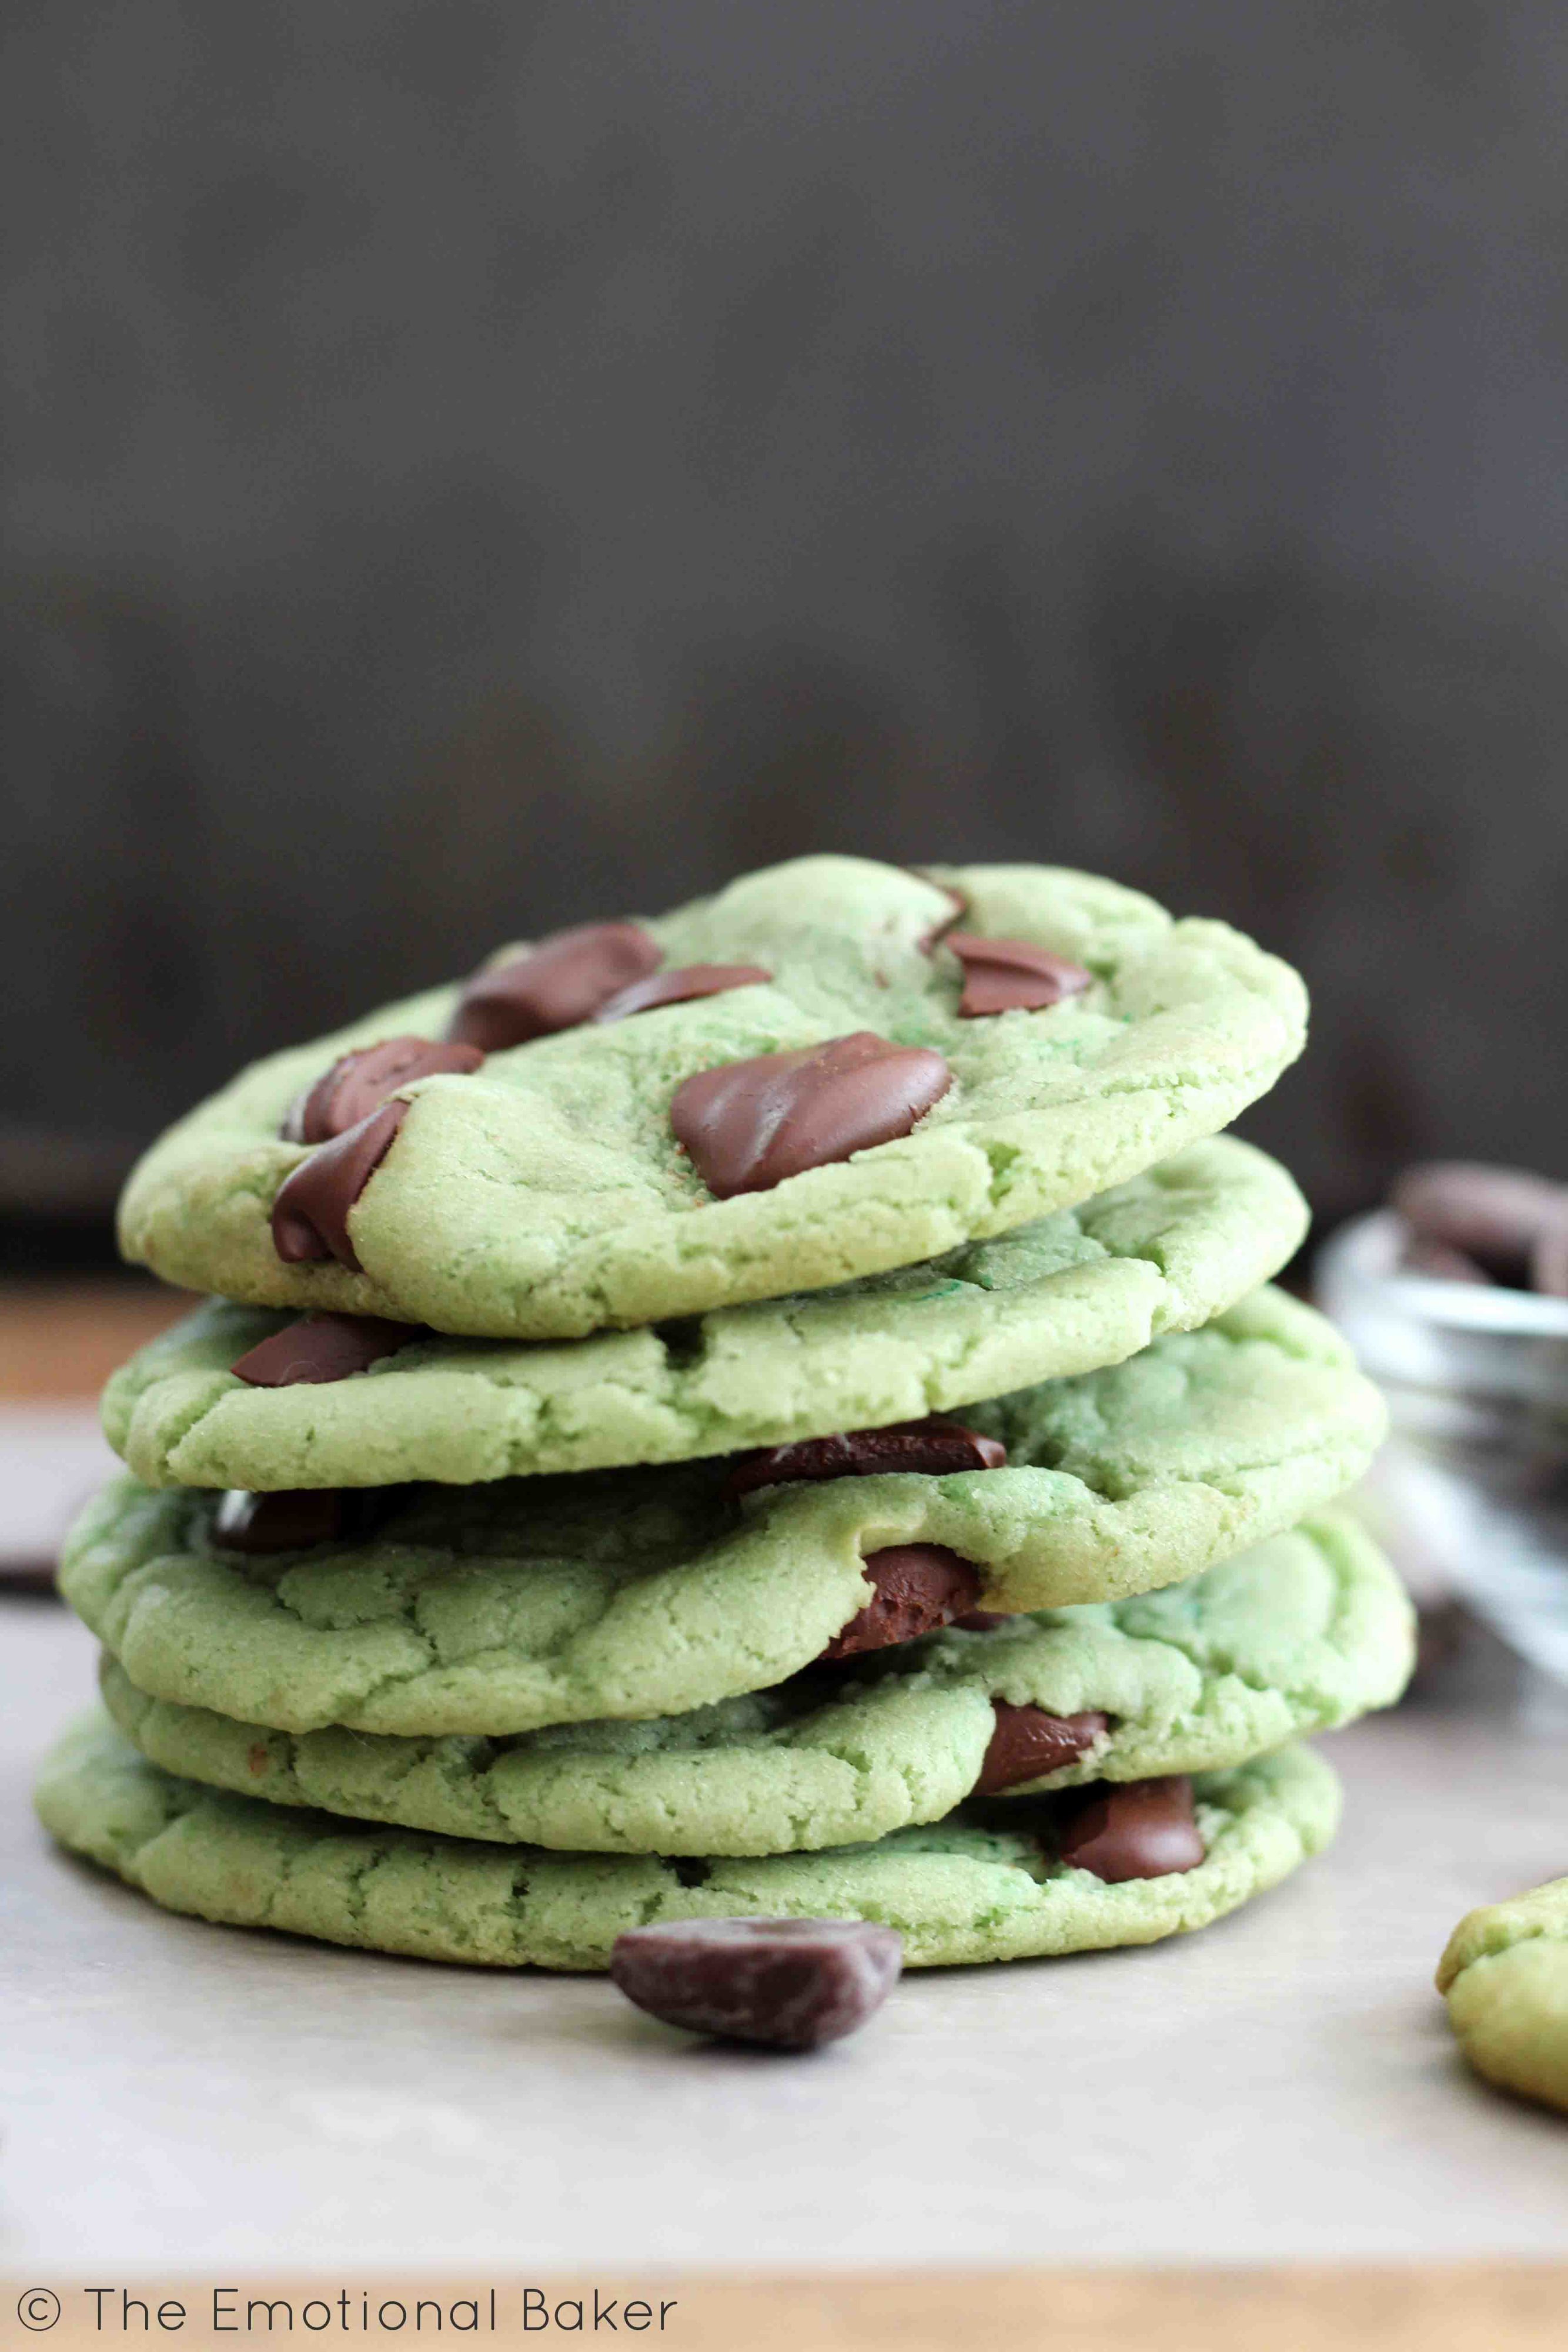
285	1521
323	1348
749	1124
936	1445
982	1621
563	981
1028	1743
957	908
1011	975
360	1082
311	1213
791	1983
680	987
1549	1263
919	1585
1495	1215
1438	1262
1136	1829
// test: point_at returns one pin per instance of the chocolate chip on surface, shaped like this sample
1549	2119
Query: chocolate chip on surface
793	1984
918	1587
311	1213
1140	1829
749	1124
556	985
1011	975
1028	1743
1495	1215
323	1348
283	1521
682	986
358	1083
935	1445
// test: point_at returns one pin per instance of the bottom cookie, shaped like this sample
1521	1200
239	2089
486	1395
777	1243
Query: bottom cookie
1505	1973
962	1890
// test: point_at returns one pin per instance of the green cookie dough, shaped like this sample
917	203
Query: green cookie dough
961	1890
1505	1974
1297	1635
1083	1288
545	1196
507	1607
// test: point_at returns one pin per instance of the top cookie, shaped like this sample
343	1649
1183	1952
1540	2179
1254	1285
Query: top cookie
623	1168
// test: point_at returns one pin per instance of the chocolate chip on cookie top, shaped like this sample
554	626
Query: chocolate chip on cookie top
311	1213
936	1445
322	1348
1028	1743
557	985
793	1983
1011	975
682	986
919	1587
358	1083
749	1124
1142	1829
291	1521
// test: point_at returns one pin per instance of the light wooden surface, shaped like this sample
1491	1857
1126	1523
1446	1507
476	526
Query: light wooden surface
63	1339
1519	2308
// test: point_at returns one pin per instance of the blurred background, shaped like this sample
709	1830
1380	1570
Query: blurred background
470	468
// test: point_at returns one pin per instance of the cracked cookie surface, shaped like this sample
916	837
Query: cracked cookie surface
634	1593
961	1890
545	1195
1505	1978
1069	1293
1297	1635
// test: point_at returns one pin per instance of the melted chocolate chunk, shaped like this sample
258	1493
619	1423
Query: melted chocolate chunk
791	1983
936	1445
982	1621
1011	975
1028	1743
310	1214
285	1521
1136	1829
323	1348
749	1124
563	981
919	1587
681	986
360	1081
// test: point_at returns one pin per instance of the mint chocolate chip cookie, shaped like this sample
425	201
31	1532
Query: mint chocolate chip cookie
236	1397
1297	1635
634	1593
794	1085
1505	1975
964	1889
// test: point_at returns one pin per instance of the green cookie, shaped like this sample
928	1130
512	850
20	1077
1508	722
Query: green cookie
546	1196
1505	1973
1297	1635
958	1891
1083	1288
646	1592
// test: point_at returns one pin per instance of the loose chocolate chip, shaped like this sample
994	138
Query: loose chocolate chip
791	1983
936	1445
1011	975
563	981
360	1082
918	1587
681	987
749	1125
1438	1262
1028	1743
291	1521
323	1348
1136	1829
1495	1215
311	1213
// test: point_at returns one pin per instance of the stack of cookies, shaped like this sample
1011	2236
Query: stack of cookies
766	1413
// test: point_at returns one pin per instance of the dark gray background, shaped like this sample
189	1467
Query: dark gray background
471	467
